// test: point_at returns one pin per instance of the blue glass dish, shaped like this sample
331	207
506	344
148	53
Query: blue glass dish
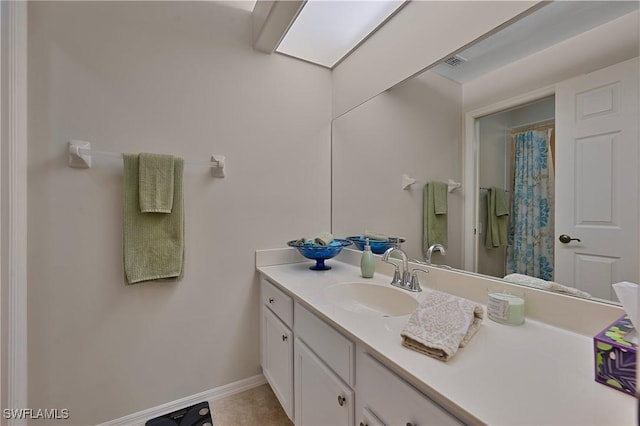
320	253
378	247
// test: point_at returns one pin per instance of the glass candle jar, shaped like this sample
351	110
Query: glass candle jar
505	306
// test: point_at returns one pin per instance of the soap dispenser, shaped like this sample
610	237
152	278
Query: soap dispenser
367	262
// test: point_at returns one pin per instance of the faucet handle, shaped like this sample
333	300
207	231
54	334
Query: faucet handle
396	274
414	285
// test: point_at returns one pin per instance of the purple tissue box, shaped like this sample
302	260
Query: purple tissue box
615	356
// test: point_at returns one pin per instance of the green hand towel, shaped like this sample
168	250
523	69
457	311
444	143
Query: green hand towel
156	183
497	218
434	223
440	197
153	242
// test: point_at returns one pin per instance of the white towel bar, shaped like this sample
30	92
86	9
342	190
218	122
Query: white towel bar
80	154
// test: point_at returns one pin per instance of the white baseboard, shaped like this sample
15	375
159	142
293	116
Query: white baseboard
220	392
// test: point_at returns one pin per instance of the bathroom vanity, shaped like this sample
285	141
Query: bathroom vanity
331	362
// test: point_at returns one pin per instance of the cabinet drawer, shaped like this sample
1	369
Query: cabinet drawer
277	301
331	346
376	383
369	419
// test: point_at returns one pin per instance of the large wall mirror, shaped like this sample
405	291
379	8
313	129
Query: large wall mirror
565	79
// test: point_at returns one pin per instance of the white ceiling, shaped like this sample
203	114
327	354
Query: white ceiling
549	25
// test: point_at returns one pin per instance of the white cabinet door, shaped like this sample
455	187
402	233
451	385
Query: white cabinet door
321	398
277	358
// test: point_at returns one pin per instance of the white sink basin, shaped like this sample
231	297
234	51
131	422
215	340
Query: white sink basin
371	299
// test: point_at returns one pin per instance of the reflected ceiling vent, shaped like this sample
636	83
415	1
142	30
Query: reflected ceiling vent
454	60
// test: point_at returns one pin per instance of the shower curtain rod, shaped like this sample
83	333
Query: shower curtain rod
534	126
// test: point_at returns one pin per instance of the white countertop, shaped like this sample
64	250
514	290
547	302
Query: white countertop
534	374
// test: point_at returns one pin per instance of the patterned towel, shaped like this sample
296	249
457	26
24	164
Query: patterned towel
442	324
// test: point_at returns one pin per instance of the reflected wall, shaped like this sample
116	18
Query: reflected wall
413	128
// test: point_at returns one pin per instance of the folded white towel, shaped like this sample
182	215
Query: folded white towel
442	324
375	236
546	285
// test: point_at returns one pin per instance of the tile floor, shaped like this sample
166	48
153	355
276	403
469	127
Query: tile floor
255	407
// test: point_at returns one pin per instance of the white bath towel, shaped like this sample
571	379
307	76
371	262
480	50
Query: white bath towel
546	285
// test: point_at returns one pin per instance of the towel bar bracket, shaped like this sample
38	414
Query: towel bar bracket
218	171
78	159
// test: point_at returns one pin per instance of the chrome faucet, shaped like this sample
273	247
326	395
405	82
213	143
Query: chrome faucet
409	280
431	249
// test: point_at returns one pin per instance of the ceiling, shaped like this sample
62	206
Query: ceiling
549	25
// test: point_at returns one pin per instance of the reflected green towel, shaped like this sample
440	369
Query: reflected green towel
434	214
497	218
153	242
156	183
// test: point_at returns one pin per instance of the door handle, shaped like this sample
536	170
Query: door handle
566	239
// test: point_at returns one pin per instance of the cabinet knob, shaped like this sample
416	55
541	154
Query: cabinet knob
363	424
271	300
284	337
410	424
341	400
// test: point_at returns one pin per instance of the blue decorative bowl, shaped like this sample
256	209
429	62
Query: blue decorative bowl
320	253
378	247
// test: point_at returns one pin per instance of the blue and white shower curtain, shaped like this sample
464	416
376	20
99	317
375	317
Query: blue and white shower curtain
531	230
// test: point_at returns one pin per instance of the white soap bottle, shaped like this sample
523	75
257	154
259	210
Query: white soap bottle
367	262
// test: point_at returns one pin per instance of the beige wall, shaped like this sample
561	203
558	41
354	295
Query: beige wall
418	36
177	78
413	128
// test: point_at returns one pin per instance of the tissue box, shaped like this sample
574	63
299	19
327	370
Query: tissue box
615	356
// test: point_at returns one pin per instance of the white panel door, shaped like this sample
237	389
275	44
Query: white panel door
597	179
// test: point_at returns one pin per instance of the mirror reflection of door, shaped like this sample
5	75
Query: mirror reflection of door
597	184
595	168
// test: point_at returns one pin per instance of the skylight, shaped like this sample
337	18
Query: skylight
325	31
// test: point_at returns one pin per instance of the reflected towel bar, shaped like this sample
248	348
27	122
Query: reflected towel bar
486	189
408	181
